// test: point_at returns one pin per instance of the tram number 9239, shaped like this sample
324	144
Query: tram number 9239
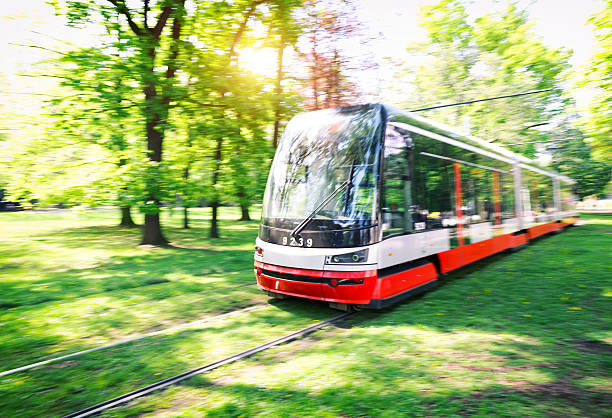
300	242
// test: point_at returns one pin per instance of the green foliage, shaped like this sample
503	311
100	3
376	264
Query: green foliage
572	157
491	56
168	76
598	123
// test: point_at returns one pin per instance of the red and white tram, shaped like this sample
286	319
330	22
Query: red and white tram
367	205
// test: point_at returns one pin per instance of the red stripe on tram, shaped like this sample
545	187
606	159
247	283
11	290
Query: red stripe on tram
458	204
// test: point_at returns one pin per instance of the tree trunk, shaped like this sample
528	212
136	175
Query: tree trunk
314	67
186	177
278	90
315	82
244	205
214	230
126	218
335	79
156	109
151	231
244	208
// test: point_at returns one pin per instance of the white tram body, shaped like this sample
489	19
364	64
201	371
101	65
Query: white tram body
367	205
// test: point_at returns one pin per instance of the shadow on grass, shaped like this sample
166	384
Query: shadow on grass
355	400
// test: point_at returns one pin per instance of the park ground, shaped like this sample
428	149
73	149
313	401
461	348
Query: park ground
524	333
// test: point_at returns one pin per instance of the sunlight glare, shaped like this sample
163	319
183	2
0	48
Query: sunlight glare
259	61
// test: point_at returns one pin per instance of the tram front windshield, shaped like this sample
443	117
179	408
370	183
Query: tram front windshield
325	170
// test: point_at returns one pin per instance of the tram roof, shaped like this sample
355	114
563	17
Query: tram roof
452	133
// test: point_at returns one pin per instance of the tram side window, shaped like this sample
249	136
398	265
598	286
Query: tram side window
432	185
496	191
477	196
508	202
397	198
568	200
540	192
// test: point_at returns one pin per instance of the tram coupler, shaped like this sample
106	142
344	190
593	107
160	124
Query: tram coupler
345	307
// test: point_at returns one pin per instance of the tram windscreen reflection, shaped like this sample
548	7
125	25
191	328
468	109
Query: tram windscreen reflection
317	153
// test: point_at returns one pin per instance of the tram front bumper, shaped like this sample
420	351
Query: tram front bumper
353	287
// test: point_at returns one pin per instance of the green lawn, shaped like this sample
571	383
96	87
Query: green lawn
70	280
526	333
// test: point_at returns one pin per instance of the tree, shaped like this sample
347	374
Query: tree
153	52
162	84
495	55
225	89
327	25
101	108
572	156
286	29
598	123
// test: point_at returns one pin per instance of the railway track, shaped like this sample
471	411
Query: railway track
103	406
129	340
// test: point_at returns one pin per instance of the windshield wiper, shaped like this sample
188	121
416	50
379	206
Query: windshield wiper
296	231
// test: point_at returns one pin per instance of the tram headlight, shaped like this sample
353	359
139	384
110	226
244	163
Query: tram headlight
348	258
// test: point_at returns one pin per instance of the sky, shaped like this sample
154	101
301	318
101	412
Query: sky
560	23
393	24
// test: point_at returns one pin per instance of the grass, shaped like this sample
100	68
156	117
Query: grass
526	333
70	280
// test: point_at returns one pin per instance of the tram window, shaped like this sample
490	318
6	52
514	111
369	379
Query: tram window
477	193
540	192
568	200
397	178
507	196
498	189
432	185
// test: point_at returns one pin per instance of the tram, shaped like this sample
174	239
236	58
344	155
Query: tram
368	205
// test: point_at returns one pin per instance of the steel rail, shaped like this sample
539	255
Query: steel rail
129	340
103	406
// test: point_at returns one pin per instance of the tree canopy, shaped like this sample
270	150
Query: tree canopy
598	123
160	110
493	55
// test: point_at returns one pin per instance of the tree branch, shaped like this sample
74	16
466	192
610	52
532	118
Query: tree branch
161	22
123	9
176	34
39	47
146	13
238	34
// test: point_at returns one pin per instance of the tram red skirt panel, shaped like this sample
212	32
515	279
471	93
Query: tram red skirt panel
516	240
539	230
400	282
350	293
482	249
458	257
